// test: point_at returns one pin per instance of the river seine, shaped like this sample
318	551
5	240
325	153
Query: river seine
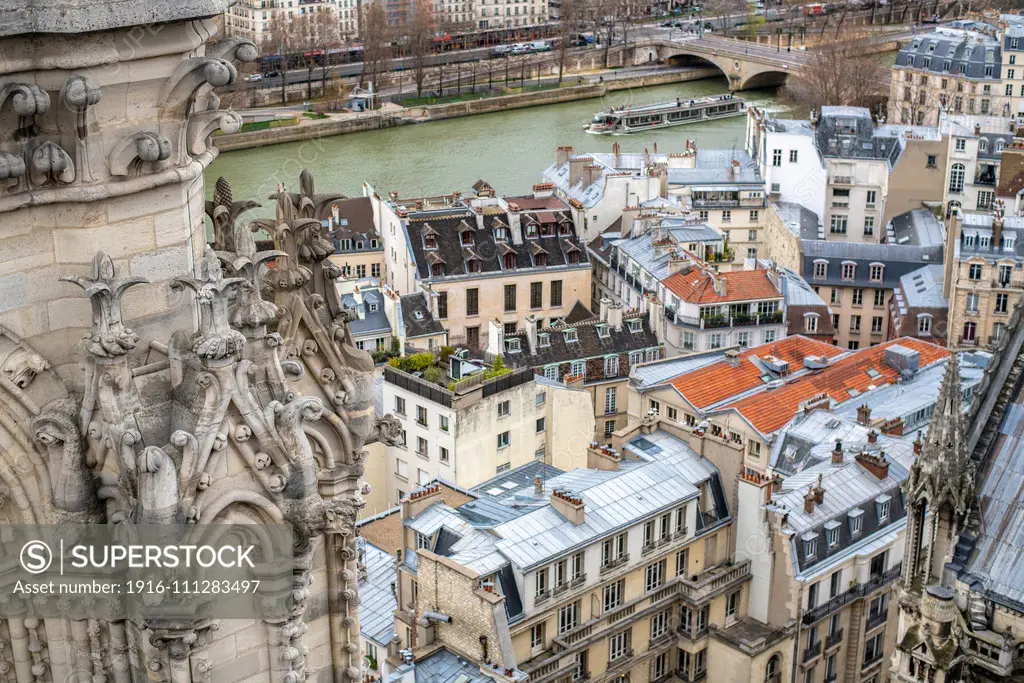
507	149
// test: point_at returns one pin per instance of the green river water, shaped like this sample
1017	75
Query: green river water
507	149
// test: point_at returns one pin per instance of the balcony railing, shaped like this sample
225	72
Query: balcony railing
842	180
621	660
876	620
834	639
723	321
612	564
812	651
858	591
871	659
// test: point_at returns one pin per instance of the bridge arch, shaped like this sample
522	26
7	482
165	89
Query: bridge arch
742	74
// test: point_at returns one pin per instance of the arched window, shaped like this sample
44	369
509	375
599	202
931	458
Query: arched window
773	672
949	208
956	178
982	145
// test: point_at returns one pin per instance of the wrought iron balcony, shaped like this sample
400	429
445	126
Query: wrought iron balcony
812	651
858	591
876	620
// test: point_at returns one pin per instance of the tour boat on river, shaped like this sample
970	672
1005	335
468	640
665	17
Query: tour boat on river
624	119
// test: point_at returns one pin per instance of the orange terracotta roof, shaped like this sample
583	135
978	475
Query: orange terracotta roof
719	381
740	285
772	409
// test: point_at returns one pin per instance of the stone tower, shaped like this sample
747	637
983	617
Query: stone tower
214	385
106	109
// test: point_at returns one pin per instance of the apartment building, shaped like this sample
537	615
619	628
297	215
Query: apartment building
593	573
485	258
1012	47
491	14
723	188
958	69
983	281
834	532
976	144
254	19
857	280
595	354
469	427
788	160
918	308
358	248
731	407
379	318
600	187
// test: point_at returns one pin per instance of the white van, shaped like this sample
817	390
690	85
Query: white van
540	46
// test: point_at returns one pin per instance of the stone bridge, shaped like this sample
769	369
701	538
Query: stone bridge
747	65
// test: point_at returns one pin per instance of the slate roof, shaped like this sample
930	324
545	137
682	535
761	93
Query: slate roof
917	227
715	167
377	600
848	487
706	386
444	666
800	220
921	288
844	379
946	51
995	565
590	344
448	226
979	225
848	133
898	259
740	285
660	372
356	223
417	318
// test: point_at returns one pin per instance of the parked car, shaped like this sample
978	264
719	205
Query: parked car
521	49
578	42
254	77
540	46
502	50
272	74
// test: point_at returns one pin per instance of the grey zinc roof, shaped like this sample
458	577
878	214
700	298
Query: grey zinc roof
996	562
444	666
917	227
836	138
921	288
796	291
417	318
377	601
979	225
791	126
950	50
899	259
516	481
652	374
614	504
691	233
800	220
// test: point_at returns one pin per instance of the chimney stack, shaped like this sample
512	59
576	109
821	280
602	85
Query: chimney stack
872	437
602	457
735	169
576	166
615	316
918	446
336	213
563	155
531	332
819	492
864	415
603	310
538	486
718	283
569	505
837	453
732	357
420	499
875	464
591	172
809	500
997	224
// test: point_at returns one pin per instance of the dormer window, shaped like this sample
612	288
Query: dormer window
1008	242
849	270
540	260
810	540
571	336
603	332
430	241
565	228
856	517
373	308
573	258
508	261
876	272
634	325
983	145
501	234
531	230
512	345
467	237
359	244
437	269
882	505
473	265
373	244
543	340
832	534
547	229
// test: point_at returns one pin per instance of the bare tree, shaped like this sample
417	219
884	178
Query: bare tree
837	73
307	39
723	9
376	36
421	35
567	30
